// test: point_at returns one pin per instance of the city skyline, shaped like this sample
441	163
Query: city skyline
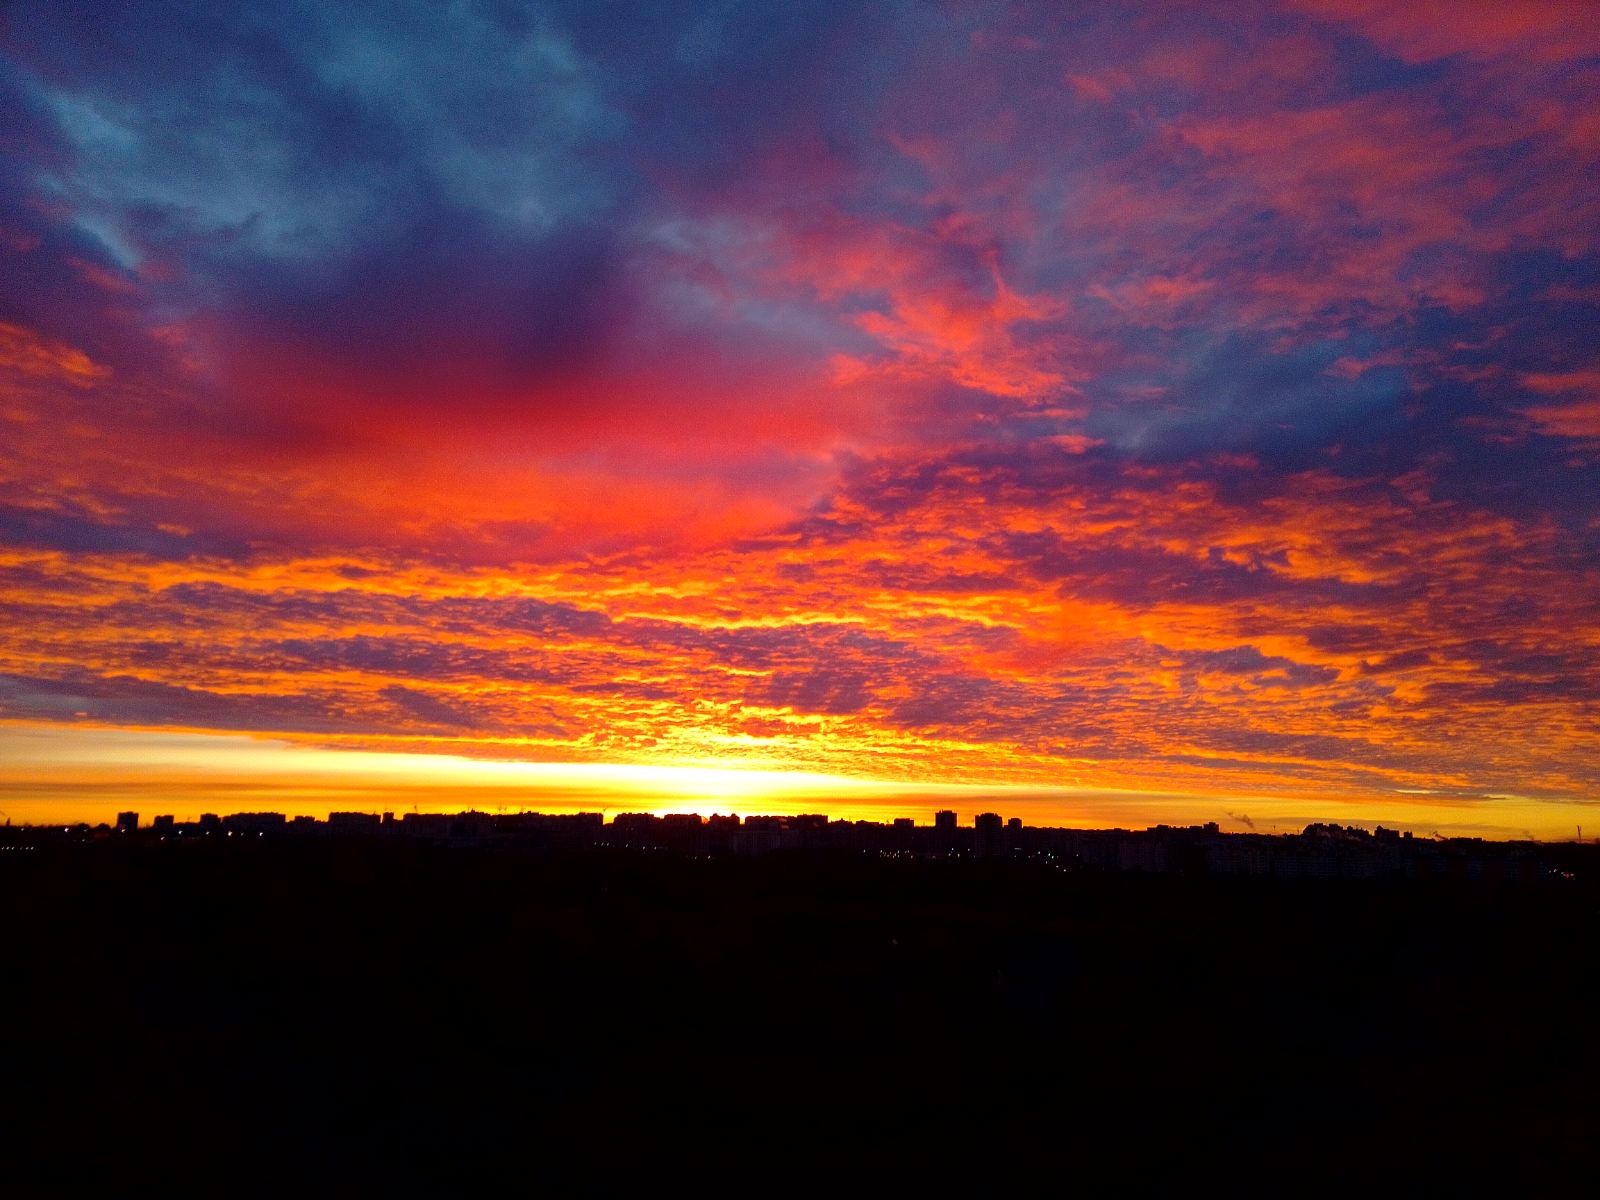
1320	851
1132	414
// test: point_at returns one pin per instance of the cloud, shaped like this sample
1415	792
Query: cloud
26	352
1578	413
1154	397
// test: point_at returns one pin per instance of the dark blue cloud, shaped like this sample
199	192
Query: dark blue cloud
82	532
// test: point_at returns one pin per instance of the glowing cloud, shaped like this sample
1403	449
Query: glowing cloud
1129	402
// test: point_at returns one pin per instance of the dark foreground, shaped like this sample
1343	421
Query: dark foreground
371	1016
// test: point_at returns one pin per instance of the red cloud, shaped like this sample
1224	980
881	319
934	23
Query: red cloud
1424	30
1578	417
24	351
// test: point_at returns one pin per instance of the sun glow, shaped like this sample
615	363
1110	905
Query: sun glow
55	775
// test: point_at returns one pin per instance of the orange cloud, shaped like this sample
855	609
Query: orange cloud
1574	418
24	351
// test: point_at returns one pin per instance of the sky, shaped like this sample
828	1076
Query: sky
1108	412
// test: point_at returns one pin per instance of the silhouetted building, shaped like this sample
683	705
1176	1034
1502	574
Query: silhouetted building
1135	853
353	822
254	822
127	822
989	833
471	824
426	825
163	824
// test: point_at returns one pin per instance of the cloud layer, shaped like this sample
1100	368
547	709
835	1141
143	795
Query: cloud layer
1146	399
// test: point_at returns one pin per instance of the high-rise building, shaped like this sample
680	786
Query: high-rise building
989	833
127	822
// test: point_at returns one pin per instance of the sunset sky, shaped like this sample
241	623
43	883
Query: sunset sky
1104	413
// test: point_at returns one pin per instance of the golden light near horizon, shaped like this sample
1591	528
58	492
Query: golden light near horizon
55	775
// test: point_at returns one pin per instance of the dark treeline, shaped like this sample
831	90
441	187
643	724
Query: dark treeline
376	1014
